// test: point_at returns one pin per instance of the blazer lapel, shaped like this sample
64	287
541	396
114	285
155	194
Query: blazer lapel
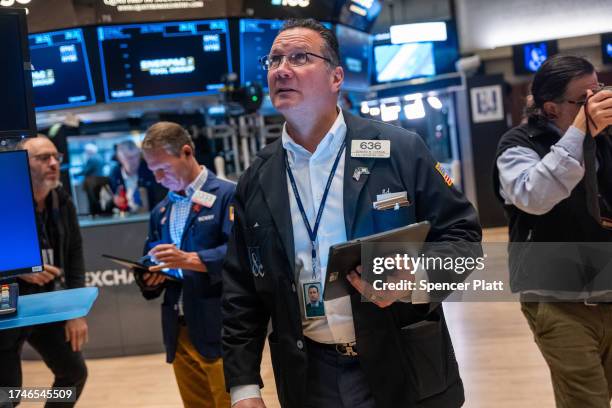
273	183
165	223
356	129
210	186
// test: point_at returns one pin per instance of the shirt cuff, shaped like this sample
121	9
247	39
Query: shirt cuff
242	392
572	142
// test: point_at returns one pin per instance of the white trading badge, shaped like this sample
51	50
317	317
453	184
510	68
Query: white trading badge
203	198
377	149
313	302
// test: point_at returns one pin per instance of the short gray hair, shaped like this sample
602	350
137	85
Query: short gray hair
167	135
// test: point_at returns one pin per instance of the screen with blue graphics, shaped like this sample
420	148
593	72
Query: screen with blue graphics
19	245
61	77
147	61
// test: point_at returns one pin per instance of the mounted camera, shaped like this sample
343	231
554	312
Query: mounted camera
241	100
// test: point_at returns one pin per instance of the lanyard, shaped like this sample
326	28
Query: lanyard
312	232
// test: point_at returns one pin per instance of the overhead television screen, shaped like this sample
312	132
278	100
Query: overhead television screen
355	54
528	58
144	61
360	14
284	9
606	48
396	62
61	77
256	37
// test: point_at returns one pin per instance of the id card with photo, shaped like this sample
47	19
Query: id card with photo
313	300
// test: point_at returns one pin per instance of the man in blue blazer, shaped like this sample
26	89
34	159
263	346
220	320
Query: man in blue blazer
188	233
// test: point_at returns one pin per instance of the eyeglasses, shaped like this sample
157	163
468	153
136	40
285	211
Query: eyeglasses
580	103
45	157
297	59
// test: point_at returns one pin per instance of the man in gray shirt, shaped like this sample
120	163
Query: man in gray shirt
542	177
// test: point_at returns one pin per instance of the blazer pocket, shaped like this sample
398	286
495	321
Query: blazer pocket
425	353
389	219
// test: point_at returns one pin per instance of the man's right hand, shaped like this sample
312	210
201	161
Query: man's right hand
49	273
250	403
600	110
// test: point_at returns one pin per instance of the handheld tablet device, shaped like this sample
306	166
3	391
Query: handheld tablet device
171	273
346	256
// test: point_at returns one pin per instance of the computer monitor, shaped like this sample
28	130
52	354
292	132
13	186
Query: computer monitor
61	76
160	60
355	55
17	117
606	48
527	58
19	245
256	37
397	62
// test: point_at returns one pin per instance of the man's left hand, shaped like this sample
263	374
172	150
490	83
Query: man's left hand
381	298
76	333
171	257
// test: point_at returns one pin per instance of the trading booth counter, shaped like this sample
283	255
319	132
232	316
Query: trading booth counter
121	322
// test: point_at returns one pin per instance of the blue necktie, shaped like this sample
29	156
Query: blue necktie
175	197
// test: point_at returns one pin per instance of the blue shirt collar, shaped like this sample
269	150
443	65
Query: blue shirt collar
191	188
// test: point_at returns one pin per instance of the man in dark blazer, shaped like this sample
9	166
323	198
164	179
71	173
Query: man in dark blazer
361	354
188	232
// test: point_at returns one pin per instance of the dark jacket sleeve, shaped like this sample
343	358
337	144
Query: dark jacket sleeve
213	257
245	318
74	262
455	228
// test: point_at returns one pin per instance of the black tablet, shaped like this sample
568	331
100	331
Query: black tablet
346	256
171	273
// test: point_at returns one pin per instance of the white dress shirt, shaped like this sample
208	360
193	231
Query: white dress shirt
311	171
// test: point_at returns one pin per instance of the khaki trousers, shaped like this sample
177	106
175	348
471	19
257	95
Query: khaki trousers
576	342
200	380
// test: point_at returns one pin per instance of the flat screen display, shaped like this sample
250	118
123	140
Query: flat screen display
19	245
61	77
396	62
606	48
528	58
355	53
256	38
360	14
284	9
16	108
145	61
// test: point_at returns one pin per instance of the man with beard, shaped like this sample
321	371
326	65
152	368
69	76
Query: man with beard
58	343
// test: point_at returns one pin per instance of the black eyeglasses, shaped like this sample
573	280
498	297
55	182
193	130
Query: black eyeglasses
580	103
296	59
45	157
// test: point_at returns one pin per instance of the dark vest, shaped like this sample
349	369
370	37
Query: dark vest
570	221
